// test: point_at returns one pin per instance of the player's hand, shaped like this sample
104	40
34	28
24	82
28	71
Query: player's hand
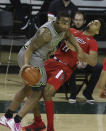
81	55
69	45
81	65
23	67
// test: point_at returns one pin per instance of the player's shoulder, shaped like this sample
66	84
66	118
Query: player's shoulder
92	40
44	33
73	30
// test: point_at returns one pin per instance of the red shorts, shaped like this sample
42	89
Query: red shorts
104	66
57	73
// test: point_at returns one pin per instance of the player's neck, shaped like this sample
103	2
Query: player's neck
87	32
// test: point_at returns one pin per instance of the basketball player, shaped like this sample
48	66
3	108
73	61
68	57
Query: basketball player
34	52
61	66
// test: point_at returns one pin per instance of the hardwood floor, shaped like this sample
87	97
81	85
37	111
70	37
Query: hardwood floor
68	117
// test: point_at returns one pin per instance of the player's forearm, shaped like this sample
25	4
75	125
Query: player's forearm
27	56
72	40
91	60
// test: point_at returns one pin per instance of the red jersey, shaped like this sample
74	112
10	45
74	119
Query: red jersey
87	43
60	68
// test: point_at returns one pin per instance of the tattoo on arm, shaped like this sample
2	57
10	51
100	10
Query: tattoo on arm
43	36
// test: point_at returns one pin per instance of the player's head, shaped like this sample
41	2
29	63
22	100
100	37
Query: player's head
94	27
79	20
63	21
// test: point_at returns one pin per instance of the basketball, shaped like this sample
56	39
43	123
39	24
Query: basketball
31	76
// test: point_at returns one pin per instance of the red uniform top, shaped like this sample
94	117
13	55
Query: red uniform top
87	43
57	70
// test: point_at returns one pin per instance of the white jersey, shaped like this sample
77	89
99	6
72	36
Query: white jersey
46	48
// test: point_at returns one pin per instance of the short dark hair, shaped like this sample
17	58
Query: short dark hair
63	13
101	21
80	13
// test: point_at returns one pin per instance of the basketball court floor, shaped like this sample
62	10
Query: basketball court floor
80	116
68	117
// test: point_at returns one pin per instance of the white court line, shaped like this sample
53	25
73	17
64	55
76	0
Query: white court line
100	118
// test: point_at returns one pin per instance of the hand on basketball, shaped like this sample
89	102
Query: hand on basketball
30	75
24	67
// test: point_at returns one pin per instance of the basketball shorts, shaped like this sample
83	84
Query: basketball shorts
36	62
57	73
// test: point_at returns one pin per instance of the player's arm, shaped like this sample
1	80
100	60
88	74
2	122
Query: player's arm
91	58
51	53
73	41
43	36
69	36
70	46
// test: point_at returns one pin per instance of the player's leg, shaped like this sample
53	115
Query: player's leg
55	81
33	99
19	97
102	81
72	86
15	123
38	123
95	74
56	77
49	105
